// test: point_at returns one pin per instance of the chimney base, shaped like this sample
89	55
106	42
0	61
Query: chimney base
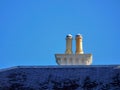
73	59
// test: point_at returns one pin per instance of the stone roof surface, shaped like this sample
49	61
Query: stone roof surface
96	77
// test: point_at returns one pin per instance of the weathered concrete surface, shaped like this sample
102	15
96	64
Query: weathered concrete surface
61	78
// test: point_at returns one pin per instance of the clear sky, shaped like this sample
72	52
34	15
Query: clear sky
32	31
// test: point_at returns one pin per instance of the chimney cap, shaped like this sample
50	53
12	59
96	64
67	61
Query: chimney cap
79	35
69	35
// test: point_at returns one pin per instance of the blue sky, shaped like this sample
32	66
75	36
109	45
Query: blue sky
31	32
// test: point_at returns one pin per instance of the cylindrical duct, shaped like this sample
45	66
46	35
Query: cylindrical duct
79	48
68	44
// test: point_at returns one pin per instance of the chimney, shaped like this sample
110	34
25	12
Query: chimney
79	48
79	58
68	44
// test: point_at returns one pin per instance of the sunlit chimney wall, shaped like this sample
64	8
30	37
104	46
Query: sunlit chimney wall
69	44
79	47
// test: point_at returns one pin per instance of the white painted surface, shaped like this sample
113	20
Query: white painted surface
74	59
